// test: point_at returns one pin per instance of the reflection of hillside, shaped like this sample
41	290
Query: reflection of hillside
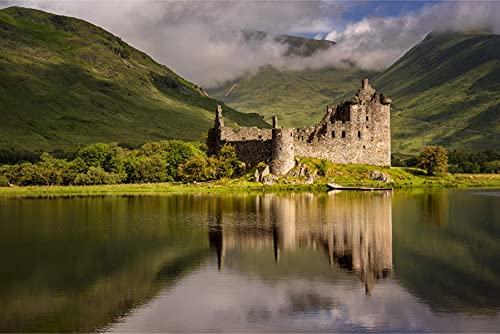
355	233
81	264
447	247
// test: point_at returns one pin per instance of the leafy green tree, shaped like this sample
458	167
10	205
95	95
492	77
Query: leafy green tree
29	175
434	159
492	167
8	173
198	168
174	152
109	157
227	164
177	153
94	155
55	171
471	167
142	169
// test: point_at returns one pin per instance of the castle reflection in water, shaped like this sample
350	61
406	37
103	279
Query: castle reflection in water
352	234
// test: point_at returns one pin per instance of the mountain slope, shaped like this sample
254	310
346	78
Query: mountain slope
65	82
446	91
297	97
296	45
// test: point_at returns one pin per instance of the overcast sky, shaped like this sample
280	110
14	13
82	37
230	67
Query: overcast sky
202	41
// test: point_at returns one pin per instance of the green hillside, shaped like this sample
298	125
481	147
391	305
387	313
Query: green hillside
65	82
446	91
297	97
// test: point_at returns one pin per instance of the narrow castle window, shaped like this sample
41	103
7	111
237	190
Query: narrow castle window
359	134
367	117
343	134
333	134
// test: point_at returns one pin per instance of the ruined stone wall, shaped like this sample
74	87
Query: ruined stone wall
252	145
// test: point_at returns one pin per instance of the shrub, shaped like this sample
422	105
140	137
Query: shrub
28	174
198	168
98	176
492	167
141	169
434	159
471	167
323	166
55	171
174	153
4	182
177	153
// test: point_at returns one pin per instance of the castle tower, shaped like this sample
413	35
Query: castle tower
214	134
219	121
282	150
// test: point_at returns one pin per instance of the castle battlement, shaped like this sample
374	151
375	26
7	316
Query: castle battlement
353	132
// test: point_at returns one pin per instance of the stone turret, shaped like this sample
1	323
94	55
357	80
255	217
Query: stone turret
282	150
365	93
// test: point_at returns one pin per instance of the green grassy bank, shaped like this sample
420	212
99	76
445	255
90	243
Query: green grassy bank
341	174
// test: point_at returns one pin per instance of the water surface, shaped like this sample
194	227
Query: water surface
408	261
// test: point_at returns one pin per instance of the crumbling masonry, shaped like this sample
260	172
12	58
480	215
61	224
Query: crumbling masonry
353	132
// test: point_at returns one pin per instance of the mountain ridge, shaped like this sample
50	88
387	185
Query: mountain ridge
445	91
66	82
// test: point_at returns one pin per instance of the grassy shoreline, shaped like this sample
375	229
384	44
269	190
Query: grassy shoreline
404	178
144	189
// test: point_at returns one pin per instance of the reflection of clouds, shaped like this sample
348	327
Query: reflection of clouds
301	293
212	301
307	302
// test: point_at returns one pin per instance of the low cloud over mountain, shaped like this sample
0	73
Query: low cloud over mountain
203	41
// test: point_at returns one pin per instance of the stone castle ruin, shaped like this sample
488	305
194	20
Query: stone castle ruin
353	132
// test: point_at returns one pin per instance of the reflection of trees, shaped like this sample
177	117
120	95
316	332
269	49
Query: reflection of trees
434	207
354	231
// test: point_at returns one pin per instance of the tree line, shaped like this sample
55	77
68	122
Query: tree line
100	164
483	162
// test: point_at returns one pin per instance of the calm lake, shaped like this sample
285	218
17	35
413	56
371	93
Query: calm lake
408	261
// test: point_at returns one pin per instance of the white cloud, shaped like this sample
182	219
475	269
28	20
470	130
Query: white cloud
375	43
203	42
